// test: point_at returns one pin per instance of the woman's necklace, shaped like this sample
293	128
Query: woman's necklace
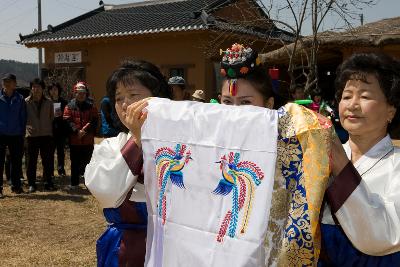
373	165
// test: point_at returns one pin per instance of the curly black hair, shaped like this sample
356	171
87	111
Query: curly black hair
133	71
385	68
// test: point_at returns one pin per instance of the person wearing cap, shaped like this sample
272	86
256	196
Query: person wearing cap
82	117
198	95
12	130
39	135
178	86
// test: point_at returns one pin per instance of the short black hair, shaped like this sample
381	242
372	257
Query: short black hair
181	86
315	92
385	68
57	85
133	71
38	82
294	88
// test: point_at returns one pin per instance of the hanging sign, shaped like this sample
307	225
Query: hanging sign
68	57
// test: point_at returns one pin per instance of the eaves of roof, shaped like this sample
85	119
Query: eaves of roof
131	19
115	34
272	34
60	26
147	18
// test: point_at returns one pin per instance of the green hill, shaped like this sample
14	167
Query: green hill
25	72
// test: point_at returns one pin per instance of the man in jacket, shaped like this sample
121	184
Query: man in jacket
39	135
12	130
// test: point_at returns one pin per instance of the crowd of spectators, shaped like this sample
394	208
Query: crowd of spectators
42	123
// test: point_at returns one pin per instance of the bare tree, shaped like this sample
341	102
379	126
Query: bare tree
66	76
291	18
299	14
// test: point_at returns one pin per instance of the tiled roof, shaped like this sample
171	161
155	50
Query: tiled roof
131	19
274	33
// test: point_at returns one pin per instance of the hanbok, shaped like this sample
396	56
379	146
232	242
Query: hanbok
111	176
365	202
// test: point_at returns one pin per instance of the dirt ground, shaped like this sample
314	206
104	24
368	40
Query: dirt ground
57	228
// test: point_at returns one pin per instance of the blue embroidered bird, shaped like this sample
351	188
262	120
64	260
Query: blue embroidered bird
169	164
240	178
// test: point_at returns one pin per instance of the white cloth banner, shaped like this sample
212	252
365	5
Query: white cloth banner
209	174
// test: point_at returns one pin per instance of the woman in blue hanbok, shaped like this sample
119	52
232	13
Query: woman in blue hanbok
361	223
114	175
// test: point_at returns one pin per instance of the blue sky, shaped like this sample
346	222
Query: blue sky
20	16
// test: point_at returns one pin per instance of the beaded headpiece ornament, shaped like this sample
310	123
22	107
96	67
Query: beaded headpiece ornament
237	62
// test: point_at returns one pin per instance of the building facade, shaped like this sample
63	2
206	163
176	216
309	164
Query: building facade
182	37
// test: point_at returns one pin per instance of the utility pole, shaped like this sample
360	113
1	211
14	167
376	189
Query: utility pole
40	29
362	19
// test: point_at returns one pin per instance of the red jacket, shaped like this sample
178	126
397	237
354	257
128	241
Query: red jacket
81	116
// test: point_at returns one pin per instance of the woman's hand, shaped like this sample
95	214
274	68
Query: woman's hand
81	133
135	117
338	156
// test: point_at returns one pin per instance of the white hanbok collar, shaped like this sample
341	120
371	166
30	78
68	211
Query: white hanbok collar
373	156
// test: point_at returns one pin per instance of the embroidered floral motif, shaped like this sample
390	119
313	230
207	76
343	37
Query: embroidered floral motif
240	178
295	244
297	239
286	127
169	166
303	165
